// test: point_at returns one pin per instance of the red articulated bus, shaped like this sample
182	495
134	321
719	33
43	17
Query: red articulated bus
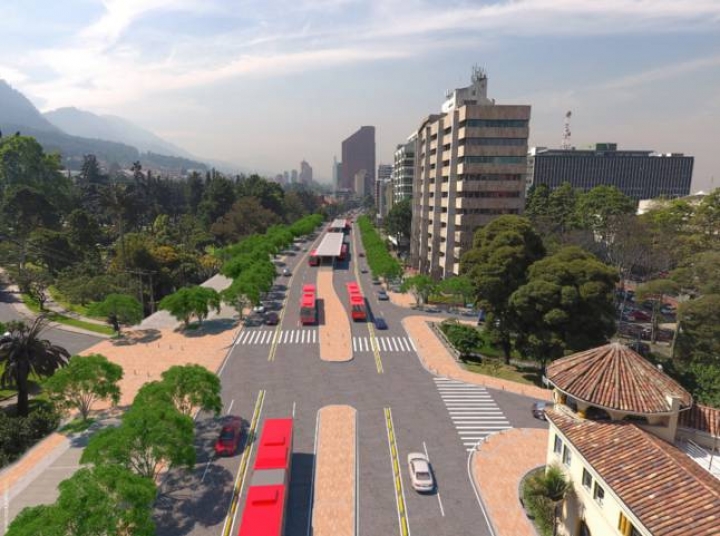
266	502
343	251
308	305
314	260
358	310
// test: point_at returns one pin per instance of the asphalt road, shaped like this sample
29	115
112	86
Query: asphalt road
297	382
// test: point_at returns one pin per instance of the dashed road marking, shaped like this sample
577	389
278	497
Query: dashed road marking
270	336
382	344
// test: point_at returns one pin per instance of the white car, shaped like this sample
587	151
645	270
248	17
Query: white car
421	476
260	309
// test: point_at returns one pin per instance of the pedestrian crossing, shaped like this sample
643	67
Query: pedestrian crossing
384	344
474	413
268	336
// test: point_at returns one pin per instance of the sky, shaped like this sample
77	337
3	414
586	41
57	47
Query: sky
266	83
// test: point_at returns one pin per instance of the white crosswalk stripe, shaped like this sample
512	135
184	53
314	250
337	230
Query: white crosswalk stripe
384	344
474	413
268	336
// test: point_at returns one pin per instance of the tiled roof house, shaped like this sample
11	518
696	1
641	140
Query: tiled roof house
614	429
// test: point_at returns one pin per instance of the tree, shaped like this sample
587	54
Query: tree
35	282
421	287
699	273
117	199
150	437
118	308
600	210
103	500
699	337
241	294
23	353
566	304
458	286
190	301
497	266
656	290
86	380
246	217
399	219
191	387
464	338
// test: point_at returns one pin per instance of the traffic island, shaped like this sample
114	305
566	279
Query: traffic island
334	331
335	493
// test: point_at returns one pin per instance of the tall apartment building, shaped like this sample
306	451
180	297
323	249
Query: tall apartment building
470	168
306	173
358	153
384	174
293	176
403	169
638	174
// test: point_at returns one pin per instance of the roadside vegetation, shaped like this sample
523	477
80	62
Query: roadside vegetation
543	491
379	259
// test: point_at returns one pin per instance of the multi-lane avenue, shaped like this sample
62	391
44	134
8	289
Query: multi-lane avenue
276	371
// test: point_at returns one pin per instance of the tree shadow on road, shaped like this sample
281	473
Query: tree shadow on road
210	327
138	336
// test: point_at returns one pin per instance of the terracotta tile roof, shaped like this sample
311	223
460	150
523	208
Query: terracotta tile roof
670	494
703	418
615	377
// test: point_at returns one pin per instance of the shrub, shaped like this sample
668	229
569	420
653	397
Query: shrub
18	434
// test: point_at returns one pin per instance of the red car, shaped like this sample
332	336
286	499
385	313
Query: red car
639	316
228	442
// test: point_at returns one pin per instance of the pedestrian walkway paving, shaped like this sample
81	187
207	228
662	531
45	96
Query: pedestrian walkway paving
384	344
474	413
268	336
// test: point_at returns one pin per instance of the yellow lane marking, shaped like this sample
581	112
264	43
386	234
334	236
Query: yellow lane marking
399	490
371	330
242	471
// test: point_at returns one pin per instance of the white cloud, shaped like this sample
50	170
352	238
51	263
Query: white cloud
12	75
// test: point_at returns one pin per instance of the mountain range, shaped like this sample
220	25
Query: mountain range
74	133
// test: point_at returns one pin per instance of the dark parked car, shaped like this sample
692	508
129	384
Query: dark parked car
380	323
228	441
272	318
640	347
375	281
538	410
639	316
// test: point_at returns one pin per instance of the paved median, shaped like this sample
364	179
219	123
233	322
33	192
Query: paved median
335	493
335	334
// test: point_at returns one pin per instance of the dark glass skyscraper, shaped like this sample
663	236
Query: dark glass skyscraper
358	154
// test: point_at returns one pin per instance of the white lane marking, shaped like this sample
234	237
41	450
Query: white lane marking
244	336
286	334
477	493
415	349
253	337
354	342
207	466
302	336
488	427
293	412
314	336
404	344
437	491
230	406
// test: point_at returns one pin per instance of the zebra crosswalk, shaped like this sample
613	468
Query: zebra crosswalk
474	413
384	344
287	336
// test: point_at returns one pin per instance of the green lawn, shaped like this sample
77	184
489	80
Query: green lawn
498	369
8	392
76	425
62	319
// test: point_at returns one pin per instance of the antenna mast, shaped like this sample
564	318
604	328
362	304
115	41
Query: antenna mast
565	144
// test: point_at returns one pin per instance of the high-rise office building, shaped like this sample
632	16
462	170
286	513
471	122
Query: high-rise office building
470	168
638	174
360	182
403	169
306	173
336	173
293	176
358	153
286	177
384	174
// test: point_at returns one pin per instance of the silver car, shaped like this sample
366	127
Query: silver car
421	476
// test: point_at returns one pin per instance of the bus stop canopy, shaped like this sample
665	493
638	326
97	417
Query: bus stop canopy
338	225
330	245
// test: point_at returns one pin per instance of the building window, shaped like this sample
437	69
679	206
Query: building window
557	447
567	456
495	142
495	123
586	479
492	160
598	494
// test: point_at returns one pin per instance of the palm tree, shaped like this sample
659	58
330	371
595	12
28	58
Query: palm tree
24	352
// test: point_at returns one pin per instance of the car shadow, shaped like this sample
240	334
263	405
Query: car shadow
320	311
298	511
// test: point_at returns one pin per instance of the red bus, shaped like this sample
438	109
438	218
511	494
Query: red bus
343	251
266	502
308	305
314	260
358	310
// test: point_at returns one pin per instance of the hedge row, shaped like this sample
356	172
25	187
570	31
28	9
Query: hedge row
18	434
378	257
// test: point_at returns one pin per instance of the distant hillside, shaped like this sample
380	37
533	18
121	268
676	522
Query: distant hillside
108	127
18	114
16	109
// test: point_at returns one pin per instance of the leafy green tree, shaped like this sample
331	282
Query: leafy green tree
421	287
104	500
86	380
553	212
218	198
706	220
241	294
118	308
459	286
190	301
118	200
600	210
193	387
35	282
464	338
150	437
399	219
566	304
52	249
703	381
656	290
497	266
699	337
246	217
23	352
699	273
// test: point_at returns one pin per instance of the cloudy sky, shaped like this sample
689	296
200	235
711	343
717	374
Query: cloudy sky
265	83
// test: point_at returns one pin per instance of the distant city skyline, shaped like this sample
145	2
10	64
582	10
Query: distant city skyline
265	84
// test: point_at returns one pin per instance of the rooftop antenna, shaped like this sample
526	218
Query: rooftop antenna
478	73
565	144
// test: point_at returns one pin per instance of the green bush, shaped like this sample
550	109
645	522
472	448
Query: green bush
18	434
378	257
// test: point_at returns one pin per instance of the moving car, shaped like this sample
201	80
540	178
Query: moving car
538	410
375	281
260	309
228	442
421	476
361	254
380	323
363	270
286	272
382	295
272	318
